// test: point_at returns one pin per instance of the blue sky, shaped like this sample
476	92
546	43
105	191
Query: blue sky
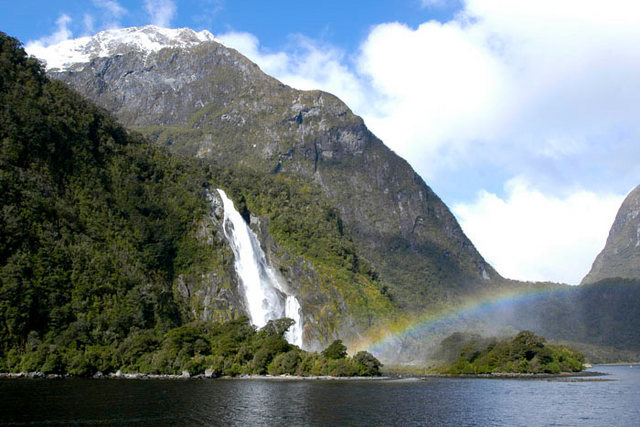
343	23
521	115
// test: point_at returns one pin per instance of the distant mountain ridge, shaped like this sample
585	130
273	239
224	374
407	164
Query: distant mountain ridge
209	101
621	254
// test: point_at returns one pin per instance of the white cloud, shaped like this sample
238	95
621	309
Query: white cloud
249	45
62	33
111	6
161	12
505	81
88	21
112	12
441	88
529	235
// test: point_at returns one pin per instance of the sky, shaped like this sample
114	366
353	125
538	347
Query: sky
521	115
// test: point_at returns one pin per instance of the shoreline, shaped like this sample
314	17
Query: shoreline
587	375
138	376
524	376
386	376
619	364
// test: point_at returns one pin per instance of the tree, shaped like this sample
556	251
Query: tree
285	363
277	327
527	344
368	364
336	350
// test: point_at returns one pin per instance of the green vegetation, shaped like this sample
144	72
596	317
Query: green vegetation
599	354
336	350
526	353
216	349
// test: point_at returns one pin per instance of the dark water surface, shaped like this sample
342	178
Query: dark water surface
434	401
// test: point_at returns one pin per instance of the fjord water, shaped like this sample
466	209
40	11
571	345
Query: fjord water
266	298
433	401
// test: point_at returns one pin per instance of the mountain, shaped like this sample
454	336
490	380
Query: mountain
103	231
621	254
116	254
208	101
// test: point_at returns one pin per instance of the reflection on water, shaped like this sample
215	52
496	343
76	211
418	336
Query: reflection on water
434	401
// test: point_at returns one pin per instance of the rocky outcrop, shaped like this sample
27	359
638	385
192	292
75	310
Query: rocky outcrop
621	254
211	291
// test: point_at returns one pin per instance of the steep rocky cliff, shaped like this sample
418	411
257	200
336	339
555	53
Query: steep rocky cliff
209	101
621	254
210	289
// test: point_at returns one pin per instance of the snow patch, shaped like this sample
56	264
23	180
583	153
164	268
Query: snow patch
147	39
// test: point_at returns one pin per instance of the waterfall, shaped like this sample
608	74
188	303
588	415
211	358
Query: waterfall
292	310
266	298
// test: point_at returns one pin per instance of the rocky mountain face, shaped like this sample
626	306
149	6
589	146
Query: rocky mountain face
621	254
210	289
208	101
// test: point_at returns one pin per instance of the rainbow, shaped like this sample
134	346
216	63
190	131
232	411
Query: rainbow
393	334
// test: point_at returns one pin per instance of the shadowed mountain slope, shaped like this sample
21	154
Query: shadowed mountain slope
621	254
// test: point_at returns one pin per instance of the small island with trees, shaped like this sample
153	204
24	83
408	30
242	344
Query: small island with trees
524	354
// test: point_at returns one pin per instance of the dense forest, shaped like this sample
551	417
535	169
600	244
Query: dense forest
98	223
94	220
213	349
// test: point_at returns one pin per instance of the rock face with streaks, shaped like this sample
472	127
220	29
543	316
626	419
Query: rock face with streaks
621	254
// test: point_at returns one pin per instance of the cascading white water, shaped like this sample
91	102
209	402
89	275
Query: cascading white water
292	310
266	297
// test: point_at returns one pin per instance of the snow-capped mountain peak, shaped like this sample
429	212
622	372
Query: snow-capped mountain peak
149	38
